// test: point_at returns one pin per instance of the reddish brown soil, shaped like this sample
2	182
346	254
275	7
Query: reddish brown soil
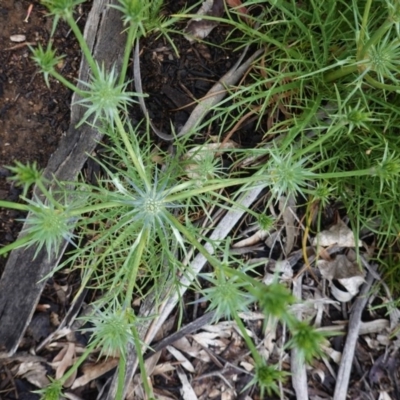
32	116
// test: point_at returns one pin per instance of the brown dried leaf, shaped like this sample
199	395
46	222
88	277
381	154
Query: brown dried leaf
346	272
162	368
192	349
207	339
150	363
186	390
238	5
335	355
61	292
247	366
281	269
228	394
257	237
198	28
93	371
181	358
339	234
287	207
65	359
34	372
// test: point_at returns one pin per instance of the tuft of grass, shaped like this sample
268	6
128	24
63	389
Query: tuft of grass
329	79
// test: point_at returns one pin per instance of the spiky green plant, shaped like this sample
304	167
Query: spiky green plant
329	80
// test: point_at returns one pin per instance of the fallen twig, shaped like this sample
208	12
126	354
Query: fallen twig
297	365
186	330
346	362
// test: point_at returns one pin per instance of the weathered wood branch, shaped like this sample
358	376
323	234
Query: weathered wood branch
22	282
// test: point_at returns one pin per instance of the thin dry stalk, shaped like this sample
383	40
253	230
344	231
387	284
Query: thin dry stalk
346	362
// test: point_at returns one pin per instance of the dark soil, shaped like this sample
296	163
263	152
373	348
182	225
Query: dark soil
174	84
33	117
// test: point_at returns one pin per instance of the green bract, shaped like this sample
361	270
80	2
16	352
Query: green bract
306	340
267	377
274	300
25	175
46	60
104	97
61	8
112	331
48	224
51	392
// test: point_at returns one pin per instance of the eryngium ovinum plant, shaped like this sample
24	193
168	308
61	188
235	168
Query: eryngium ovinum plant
128	232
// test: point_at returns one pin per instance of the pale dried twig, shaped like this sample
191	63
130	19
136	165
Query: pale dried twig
297	365
346	363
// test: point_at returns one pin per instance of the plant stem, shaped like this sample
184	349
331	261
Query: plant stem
15	245
14	206
246	337
128	47
192	239
211	187
340	73
142	366
67	83
376	37
136	253
373	82
363	29
78	362
84	47
254	34
347	174
121	378
95	207
323	138
135	159
48	196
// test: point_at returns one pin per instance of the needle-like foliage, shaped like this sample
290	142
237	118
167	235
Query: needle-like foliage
325	96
